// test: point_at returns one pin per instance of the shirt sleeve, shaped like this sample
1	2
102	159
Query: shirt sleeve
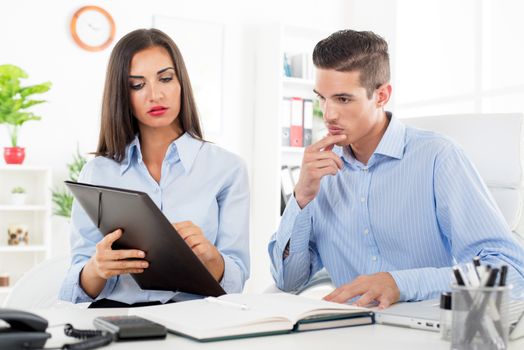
84	237
295	270
471	224
233	230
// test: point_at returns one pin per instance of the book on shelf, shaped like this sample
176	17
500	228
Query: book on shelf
285	121
297	126
287	66
308	122
233	316
287	186
295	174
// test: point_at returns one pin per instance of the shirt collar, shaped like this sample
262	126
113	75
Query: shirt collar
187	147
394	139
391	145
184	148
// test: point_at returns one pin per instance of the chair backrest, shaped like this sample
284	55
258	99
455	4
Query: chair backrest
494	143
39	287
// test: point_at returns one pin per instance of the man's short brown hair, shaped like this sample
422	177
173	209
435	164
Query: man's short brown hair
349	51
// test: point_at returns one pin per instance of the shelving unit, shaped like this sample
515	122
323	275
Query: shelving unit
269	155
35	214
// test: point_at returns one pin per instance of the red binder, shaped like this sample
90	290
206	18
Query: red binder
297	126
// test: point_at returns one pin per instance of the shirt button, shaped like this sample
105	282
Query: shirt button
156	190
362	199
374	258
365	170
366	231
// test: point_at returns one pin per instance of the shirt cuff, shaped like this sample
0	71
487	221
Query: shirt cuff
296	224
423	283
72	290
232	280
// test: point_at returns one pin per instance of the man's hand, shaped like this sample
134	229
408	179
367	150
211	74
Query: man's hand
318	161
202	247
379	287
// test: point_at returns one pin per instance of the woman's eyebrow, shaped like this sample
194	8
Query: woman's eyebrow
159	72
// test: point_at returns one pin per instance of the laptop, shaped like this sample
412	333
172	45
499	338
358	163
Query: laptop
426	315
172	264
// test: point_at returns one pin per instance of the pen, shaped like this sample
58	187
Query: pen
227	303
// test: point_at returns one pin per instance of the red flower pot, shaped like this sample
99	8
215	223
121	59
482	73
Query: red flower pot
14	155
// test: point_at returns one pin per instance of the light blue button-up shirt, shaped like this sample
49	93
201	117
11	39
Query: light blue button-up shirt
200	182
417	208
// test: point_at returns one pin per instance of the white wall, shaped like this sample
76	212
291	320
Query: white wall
35	36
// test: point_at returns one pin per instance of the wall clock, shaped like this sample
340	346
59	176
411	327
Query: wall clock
92	28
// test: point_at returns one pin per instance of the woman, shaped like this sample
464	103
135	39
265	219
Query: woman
151	141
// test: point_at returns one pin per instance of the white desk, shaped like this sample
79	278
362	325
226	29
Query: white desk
362	337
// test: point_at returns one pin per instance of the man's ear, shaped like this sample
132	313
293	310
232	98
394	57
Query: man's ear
382	94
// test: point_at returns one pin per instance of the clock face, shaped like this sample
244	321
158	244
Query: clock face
92	28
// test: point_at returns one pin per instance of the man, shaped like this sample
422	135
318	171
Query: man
385	208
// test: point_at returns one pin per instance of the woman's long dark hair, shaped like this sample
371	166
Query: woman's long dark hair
118	124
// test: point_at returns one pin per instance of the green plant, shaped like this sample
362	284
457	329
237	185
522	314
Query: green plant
317	111
18	189
62	198
14	99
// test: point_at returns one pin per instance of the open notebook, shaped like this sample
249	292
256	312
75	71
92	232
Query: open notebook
245	315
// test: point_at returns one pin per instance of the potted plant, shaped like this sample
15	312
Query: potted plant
62	198
18	195
14	102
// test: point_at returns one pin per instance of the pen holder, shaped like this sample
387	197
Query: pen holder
479	318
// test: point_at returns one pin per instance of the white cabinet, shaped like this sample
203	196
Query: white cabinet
29	221
272	86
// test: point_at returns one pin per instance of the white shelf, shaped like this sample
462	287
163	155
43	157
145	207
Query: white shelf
292	149
15	167
8	207
23	248
5	290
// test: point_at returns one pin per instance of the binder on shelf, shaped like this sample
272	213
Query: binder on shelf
287	66
285	121
296	132
298	65
308	123
295	174
286	185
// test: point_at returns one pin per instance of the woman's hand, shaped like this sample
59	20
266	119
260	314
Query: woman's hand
202	247
107	263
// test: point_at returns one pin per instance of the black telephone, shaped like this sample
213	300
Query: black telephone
28	331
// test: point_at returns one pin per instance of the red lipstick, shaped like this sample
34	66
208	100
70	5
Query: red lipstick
157	111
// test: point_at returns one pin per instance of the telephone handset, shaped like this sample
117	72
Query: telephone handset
26	331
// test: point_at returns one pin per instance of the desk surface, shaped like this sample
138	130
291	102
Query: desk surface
362	337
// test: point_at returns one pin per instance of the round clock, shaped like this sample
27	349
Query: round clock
93	28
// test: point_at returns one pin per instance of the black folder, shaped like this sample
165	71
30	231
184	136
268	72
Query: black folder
172	264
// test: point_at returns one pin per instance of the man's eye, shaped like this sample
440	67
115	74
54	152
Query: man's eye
137	86
343	100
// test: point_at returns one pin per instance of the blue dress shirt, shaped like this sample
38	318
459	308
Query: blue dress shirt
200	182
417	208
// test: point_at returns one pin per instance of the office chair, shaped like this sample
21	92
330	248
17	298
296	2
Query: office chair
39	287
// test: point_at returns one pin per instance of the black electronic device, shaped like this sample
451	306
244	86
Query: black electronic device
130	327
172	264
24	330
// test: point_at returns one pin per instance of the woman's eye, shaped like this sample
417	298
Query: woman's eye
137	86
166	79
